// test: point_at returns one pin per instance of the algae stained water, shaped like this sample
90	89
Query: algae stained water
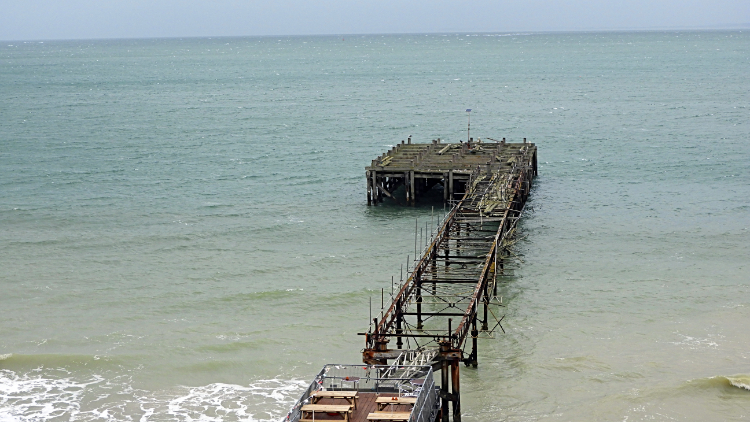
185	232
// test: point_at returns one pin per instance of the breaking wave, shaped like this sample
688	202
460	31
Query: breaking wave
730	382
739	381
58	394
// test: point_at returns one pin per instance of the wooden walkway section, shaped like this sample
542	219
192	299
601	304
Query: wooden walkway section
365	405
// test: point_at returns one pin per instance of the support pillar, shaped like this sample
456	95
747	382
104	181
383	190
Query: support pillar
369	188
450	184
445	187
486	288
374	182
444	389
456	391
448	245
399	330
419	299
486	305
411	188
458	239
433	268
406	187
474	358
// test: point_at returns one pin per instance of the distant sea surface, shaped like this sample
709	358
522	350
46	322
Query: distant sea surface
184	233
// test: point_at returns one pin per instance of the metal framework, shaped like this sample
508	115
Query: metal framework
376	379
447	299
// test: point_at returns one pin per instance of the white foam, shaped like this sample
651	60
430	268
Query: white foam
264	400
57	394
694	342
740	381
35	397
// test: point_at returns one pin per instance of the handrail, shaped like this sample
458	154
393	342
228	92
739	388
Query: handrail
383	377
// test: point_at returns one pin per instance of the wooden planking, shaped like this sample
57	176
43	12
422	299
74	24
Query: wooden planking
436	158
366	404
314	411
389	416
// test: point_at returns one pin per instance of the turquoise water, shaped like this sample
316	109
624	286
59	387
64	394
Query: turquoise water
185	232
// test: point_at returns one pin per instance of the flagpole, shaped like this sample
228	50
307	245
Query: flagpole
468	129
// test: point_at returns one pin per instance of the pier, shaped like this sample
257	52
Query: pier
447	300
417	168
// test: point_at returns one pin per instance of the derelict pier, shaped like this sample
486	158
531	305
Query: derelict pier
447	299
446	303
419	167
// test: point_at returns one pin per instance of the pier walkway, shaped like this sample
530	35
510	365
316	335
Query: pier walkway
446	302
448	298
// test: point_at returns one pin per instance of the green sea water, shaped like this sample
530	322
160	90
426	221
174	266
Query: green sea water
184	232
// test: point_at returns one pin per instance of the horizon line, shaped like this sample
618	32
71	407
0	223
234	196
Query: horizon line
728	27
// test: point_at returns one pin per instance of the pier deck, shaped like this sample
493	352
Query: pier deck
366	404
397	392
419	167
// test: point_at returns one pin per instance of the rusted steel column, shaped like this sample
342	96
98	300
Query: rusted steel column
374	182
474	361
456	391
369	188
485	288
445	187
444	387
418	282
411	188
448	243
399	330
494	266
444	381
433	255
406	186
500	264
450	184
458	239
486	305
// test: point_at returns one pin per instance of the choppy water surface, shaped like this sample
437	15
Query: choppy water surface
185	234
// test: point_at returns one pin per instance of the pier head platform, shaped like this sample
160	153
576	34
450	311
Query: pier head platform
414	168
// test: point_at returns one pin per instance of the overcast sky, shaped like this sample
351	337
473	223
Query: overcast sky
68	19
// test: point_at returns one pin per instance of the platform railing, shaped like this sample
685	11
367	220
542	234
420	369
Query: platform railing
419	380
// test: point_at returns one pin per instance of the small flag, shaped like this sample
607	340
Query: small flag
468	110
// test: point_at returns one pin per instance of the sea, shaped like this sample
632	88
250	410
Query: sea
185	235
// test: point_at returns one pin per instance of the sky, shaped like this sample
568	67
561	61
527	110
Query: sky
94	19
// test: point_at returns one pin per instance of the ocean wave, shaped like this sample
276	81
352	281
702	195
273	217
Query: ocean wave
32	397
59	394
219	402
739	381
728	382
